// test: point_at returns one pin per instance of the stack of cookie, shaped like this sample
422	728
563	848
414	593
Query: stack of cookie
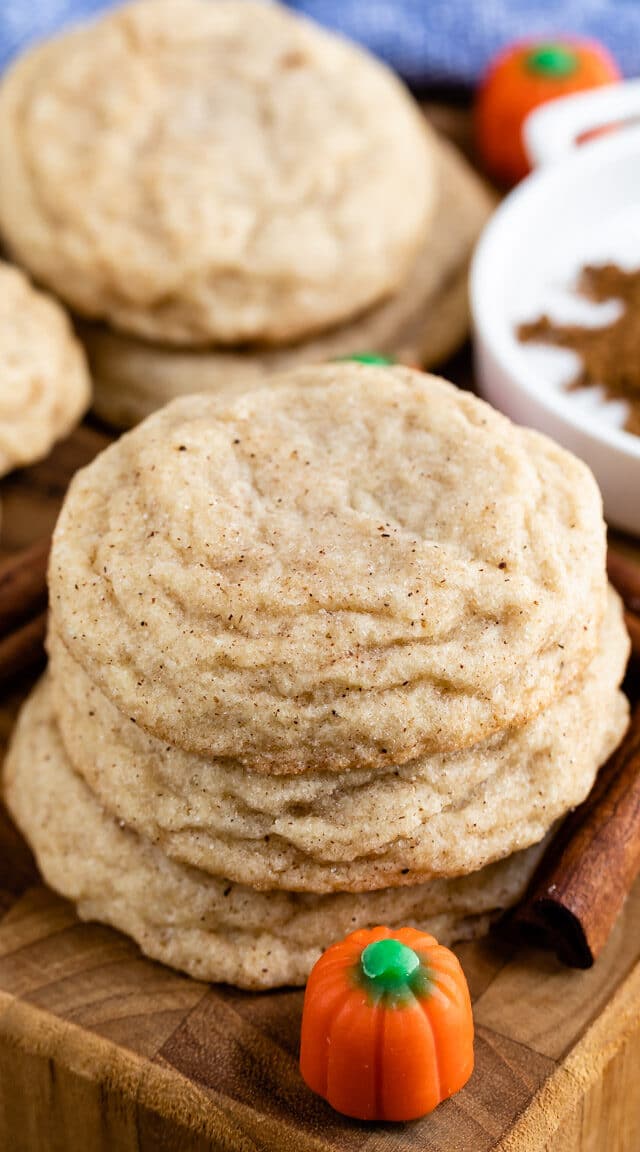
326	656
226	191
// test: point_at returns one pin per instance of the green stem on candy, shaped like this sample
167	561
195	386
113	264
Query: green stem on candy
391	971
369	358
552	60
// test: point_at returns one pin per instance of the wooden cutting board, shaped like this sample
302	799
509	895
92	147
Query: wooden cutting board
104	1051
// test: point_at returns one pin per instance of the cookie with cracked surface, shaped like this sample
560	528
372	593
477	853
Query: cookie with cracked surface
212	929
422	323
251	176
44	380
357	567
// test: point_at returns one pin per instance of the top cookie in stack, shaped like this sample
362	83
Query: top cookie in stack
228	181
251	585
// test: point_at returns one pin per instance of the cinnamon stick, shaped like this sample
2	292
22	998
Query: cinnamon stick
22	650
583	880
23	585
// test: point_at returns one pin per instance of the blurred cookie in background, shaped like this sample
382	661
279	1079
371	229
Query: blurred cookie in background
256	194
44	380
201	173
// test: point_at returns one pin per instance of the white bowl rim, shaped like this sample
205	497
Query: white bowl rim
490	331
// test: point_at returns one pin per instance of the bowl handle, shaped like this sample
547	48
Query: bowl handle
554	128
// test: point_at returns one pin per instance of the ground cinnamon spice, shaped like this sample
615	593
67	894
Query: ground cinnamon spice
610	354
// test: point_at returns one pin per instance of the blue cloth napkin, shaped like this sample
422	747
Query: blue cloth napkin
427	41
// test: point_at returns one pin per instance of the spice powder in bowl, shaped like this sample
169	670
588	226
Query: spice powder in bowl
610	353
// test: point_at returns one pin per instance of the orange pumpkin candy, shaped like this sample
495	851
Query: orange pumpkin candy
519	80
387	1026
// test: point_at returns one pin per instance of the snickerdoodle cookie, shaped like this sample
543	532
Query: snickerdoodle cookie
356	568
198	172
44	381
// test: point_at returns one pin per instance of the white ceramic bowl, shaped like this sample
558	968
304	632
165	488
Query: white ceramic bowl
581	206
